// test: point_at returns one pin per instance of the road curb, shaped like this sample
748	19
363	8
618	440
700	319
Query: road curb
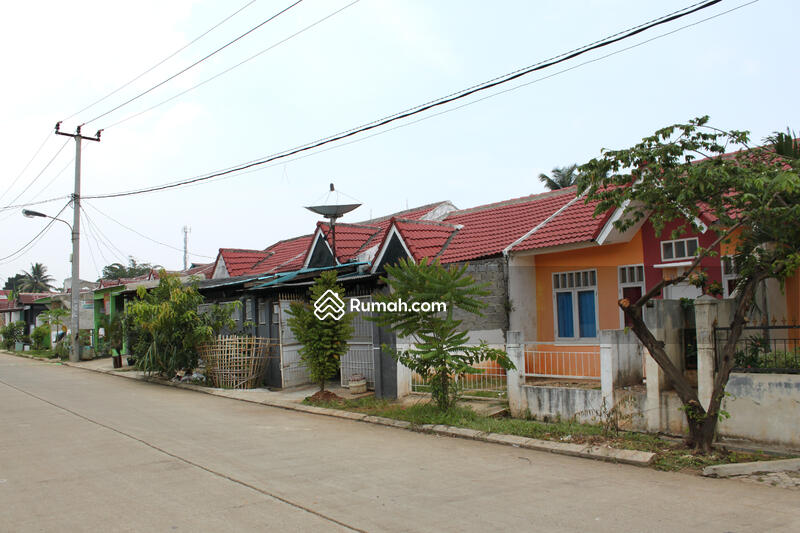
743	469
599	453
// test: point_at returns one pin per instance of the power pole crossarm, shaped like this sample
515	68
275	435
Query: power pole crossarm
75	296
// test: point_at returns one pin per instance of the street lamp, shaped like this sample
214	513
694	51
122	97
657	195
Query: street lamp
75	296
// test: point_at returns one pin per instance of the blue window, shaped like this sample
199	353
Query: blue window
586	317
575	302
564	302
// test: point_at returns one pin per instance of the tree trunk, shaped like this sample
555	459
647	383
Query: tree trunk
702	423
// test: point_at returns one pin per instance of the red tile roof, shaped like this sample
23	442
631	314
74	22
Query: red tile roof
425	238
576	223
352	238
283	256
26	298
487	230
238	261
203	270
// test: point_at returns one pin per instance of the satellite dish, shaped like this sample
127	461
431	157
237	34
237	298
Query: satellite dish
332	211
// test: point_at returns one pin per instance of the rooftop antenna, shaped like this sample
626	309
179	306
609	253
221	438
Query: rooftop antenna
332	211
186	231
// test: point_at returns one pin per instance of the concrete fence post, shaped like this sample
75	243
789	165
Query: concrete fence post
708	313
515	379
607	370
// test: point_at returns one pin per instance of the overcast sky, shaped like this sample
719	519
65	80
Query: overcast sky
370	60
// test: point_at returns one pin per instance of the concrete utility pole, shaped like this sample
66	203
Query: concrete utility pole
75	300
186	231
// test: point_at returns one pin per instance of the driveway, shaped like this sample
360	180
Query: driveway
83	451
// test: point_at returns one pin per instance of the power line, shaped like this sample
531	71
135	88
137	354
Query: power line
35	238
424	107
237	65
39	175
25	167
108	243
156	86
89	245
173	54
40	202
143	235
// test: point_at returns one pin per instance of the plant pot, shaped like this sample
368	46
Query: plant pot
131	360
18	346
117	359
357	384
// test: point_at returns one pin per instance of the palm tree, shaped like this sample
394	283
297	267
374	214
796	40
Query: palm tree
134	269
562	177
37	280
785	144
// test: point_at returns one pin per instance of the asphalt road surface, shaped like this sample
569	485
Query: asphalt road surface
81	451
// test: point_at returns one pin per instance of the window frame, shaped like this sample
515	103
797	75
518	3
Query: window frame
726	276
574	290
627	283
685	245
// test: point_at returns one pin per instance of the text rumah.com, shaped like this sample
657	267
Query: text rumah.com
396	306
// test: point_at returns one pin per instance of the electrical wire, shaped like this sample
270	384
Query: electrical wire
237	65
173	54
142	234
40	202
156	86
91	252
39	175
30	243
419	109
26	166
108	243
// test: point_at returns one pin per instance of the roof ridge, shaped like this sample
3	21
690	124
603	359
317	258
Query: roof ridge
276	243
409	210
351	224
427	222
513	201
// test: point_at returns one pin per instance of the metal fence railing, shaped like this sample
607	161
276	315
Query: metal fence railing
546	360
767	349
490	382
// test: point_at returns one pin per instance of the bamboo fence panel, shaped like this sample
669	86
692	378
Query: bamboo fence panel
235	362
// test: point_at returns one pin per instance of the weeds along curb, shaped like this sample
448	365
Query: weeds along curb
599	453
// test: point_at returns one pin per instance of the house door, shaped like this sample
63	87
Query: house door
359	358
293	373
632	294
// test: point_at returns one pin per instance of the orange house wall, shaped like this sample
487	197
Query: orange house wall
793	299
605	259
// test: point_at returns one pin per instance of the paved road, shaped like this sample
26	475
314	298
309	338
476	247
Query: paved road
81	451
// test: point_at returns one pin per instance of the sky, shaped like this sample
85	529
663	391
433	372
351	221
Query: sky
370	59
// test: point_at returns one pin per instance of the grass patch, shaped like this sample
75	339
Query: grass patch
670	455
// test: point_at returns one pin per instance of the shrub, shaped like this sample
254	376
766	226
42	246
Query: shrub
41	337
12	333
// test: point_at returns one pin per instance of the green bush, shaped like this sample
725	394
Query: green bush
167	319
41	337
12	333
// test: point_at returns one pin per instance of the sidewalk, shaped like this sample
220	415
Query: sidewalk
261	395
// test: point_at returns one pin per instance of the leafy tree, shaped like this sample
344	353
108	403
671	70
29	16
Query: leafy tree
440	350
324	341
166	317
37	280
132	270
14	283
561	178
679	174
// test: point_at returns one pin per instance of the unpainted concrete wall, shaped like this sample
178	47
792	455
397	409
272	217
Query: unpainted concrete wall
494	323
763	407
549	403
